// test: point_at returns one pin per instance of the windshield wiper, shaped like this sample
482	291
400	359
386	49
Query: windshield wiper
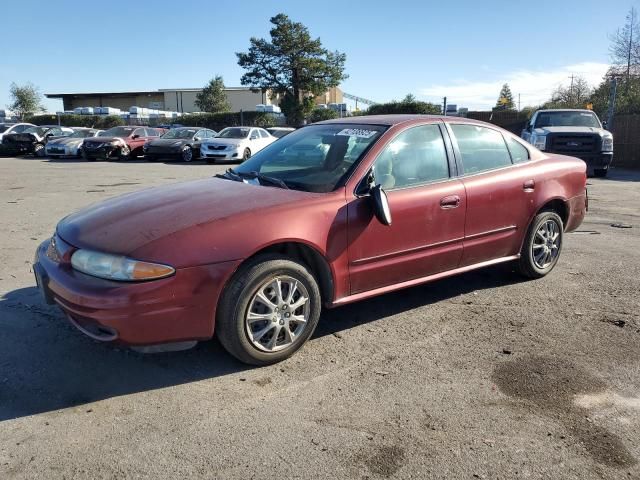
230	174
267	179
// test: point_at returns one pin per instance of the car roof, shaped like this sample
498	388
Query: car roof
583	110
390	120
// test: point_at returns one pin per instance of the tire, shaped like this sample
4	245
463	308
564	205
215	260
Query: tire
542	245
246	155
39	151
186	155
124	153
600	172
251	341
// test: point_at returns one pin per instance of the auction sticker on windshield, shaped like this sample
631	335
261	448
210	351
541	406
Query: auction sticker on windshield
357	132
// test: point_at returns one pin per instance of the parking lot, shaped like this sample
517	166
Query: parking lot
478	376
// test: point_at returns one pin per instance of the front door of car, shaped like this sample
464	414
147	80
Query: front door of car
499	193
138	137
256	141
427	208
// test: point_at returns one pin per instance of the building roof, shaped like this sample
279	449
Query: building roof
141	92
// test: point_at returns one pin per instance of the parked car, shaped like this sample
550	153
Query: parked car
33	139
235	143
253	254
578	133
7	128
118	143
70	146
280	132
181	143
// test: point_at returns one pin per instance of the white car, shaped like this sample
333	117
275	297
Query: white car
235	143
6	128
70	146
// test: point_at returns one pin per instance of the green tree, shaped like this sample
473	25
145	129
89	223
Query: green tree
409	98
627	97
394	107
25	100
505	99
213	98
320	114
293	65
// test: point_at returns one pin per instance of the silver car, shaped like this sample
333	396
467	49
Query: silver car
70	146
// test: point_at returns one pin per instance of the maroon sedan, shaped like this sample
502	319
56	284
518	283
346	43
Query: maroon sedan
332	213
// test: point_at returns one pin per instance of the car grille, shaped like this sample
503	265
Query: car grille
573	143
217	147
55	150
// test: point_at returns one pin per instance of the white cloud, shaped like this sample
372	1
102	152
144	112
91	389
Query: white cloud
534	86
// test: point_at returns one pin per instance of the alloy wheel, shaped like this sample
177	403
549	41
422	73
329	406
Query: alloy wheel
278	313
546	244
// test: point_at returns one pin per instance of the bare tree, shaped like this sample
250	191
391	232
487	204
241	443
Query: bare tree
625	43
575	96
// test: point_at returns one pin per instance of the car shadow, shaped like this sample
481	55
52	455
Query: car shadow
620	175
46	365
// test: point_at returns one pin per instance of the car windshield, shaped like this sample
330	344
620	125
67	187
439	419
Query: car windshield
82	133
118	132
314	158
36	130
278	133
567	119
180	133
234	132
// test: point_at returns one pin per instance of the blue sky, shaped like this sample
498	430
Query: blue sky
462	49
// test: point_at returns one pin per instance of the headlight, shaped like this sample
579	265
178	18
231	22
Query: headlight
539	141
607	143
233	146
117	267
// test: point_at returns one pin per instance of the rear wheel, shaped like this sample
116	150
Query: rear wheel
186	154
268	311
542	245
601	172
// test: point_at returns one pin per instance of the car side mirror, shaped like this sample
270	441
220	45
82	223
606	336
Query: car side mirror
49	135
135	136
380	204
604	124
197	139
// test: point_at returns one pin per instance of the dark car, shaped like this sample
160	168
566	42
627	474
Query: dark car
383	203
178	143
118	143
33	139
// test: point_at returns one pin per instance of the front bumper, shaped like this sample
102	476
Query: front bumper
174	309
220	154
18	147
61	151
102	152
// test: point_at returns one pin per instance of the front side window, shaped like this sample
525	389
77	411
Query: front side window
481	148
519	153
415	157
316	158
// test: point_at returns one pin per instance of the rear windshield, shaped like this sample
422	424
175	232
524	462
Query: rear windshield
567	119
234	132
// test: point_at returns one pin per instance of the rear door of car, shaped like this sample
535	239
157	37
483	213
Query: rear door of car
427	203
499	191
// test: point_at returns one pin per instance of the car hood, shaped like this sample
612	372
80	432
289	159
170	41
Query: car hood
168	223
225	141
105	139
69	141
167	142
546	130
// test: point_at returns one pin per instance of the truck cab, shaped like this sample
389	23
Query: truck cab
574	132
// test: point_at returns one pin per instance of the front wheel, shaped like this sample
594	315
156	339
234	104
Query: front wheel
600	172
542	245
268	311
38	150
186	154
125	153
246	155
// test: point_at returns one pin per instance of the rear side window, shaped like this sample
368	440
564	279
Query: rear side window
518	151
416	156
152	132
481	148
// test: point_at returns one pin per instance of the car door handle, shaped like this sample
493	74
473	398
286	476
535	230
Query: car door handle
529	185
451	201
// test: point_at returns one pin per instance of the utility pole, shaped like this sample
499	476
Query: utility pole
571	88
444	107
612	103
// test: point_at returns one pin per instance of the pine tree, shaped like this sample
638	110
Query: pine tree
505	99
213	98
